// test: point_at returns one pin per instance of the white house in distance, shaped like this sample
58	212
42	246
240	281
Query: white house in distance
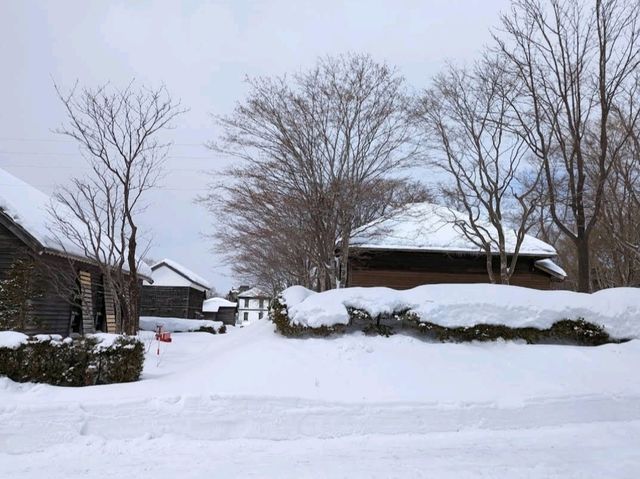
252	304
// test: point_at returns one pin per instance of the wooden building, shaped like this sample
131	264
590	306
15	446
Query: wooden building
425	244
220	309
63	290
176	292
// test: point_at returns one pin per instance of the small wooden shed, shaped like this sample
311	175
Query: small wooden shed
424	244
220	309
176	292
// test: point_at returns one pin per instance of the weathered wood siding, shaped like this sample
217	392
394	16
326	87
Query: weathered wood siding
171	302
404	270
51	311
226	315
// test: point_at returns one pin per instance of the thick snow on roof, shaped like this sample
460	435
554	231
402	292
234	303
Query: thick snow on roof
550	267
253	293
430	227
28	207
212	305
190	275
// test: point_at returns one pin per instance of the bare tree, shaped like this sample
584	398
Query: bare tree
575	62
117	132
314	146
616	238
466	116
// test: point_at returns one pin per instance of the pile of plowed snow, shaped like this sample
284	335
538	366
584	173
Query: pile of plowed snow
452	305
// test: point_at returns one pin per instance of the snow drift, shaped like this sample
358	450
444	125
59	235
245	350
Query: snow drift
455	305
177	325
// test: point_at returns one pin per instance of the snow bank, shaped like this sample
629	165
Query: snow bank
451	305
12	339
175	325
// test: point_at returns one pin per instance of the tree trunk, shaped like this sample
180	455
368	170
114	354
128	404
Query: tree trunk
489	258
584	264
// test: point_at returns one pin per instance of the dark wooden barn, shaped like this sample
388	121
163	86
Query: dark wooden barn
46	286
176	292
220	309
422	245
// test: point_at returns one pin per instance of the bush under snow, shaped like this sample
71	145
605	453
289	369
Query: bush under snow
94	359
617	310
180	325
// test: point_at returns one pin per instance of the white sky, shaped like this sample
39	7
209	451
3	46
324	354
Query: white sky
201	51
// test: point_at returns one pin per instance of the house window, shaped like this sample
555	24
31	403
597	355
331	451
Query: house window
245	316
262	304
260	314
246	302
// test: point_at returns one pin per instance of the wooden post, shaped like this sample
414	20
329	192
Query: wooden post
87	303
110	311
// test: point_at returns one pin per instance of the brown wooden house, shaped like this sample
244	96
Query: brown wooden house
63	291
424	244
176	292
220	309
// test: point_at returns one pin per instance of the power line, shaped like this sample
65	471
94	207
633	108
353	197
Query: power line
52	186
66	153
54	140
74	167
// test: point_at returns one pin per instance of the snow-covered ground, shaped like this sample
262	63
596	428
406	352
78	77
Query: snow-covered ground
251	403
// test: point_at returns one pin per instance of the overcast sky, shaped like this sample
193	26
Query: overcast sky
202	51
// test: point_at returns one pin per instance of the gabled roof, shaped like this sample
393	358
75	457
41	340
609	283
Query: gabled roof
253	293
24	210
182	271
212	305
431	228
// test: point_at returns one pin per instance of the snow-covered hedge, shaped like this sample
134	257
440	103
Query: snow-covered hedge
616	312
180	325
94	359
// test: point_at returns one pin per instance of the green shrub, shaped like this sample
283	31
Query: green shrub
279	315
80	362
212	330
567	331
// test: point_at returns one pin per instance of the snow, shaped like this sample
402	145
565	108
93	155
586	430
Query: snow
550	267
430	227
12	339
212	305
28	207
105	340
253	293
451	305
252	403
150	323
159	280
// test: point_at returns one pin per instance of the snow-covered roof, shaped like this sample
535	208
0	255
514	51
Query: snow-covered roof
163	280
253	293
550	267
212	305
28	207
430	227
